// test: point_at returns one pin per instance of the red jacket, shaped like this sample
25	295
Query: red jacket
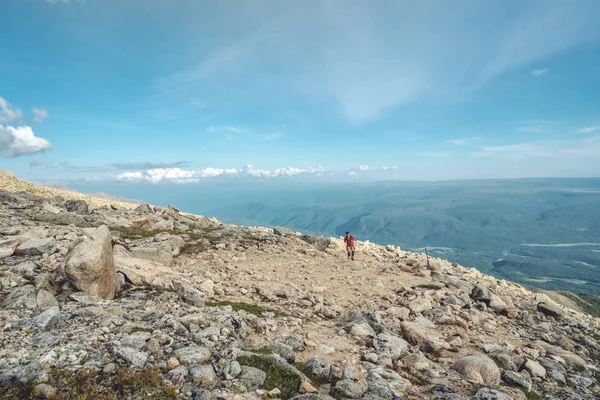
349	240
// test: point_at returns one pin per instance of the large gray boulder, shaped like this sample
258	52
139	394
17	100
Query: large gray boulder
319	242
77	206
551	310
478	368
29	297
90	266
8	247
36	247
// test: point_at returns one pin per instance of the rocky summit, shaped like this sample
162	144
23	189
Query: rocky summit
104	300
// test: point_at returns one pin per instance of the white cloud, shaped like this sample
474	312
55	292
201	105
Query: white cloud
589	129
463	141
177	175
364	168
539	72
9	114
369	57
20	141
39	114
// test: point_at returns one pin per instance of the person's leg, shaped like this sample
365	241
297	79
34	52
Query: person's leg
348	250
352	253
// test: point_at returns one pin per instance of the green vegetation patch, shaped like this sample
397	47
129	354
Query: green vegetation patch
535	396
588	303
277	376
91	384
235	306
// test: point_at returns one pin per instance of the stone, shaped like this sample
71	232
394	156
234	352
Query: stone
90	266
233	370
279	231
193	355
285	290
45	300
172	363
8	247
319	242
24	297
350	388
419	305
189	294
522	381
481	293
390	344
534	368
306	387
426	338
159	253
490	394
320	367
398	312
135	357
31	372
497	304
204	376
361	329
77	206
46	319
144	209
44	391
478	368
252	378
551	310
36	247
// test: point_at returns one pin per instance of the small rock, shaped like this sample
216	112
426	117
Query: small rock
478	368
306	387
44	391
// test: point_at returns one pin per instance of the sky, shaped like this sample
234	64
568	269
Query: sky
155	91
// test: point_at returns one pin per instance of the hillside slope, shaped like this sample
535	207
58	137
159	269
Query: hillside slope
113	302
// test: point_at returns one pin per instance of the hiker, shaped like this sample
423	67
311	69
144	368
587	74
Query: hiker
349	240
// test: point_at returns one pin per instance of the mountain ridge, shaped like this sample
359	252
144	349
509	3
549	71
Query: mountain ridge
124	302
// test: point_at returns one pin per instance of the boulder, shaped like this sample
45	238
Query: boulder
159	253
490	394
522	381
419	305
192	355
8	247
77	206
279	231
252	378
145	209
481	293
204	376
29	297
387	343
419	335
319	242
36	247
551	310
534	368
478	368
90	266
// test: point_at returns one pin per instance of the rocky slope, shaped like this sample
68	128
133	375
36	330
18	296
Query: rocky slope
108	301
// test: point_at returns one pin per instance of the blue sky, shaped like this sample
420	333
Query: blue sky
147	91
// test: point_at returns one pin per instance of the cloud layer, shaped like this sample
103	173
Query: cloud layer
178	175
